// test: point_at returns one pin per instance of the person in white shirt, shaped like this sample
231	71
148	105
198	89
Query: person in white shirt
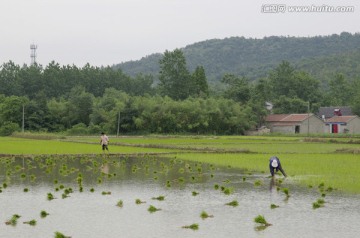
104	141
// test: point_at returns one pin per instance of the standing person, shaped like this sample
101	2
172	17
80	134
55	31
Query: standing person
104	141
276	165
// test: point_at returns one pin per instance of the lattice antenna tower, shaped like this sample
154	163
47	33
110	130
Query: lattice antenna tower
33	48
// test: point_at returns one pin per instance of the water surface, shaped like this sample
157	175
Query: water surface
91	214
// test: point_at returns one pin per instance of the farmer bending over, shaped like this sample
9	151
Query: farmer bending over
276	165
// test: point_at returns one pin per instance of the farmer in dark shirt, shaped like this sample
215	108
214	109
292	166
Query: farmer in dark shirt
276	165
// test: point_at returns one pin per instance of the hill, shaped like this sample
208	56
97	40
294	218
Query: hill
322	56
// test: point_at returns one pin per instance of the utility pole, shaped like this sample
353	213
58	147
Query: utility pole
308	120
23	119
118	126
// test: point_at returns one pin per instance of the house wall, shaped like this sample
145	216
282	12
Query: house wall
283	129
353	126
316	126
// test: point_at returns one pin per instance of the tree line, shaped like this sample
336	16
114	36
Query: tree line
91	99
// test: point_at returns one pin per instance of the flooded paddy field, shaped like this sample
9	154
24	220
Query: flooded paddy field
111	197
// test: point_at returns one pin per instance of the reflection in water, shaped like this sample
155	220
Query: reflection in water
104	168
272	184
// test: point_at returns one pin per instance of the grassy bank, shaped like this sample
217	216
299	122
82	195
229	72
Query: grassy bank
21	146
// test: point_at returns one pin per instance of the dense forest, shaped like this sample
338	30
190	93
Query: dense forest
322	56
88	100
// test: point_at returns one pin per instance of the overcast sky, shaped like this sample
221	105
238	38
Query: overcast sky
107	32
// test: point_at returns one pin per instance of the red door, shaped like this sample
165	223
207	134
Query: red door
335	128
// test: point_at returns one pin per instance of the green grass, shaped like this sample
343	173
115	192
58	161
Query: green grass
259	144
20	146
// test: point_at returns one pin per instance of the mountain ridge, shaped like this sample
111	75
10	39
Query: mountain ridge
254	58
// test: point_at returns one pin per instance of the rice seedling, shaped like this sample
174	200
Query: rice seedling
32	177
233	203
18	168
50	196
106	193
194	226
228	191
319	203
257	183
26	190
64	195
168	183
43	214
194	193
205	215
286	192
273	206
120	203
68	191
13	220
92	190
31	222
159	198
261	220
60	235
244	179
152	209
138	201
316	205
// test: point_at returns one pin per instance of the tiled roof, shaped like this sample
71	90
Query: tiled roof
287	117
275	117
329	111
341	119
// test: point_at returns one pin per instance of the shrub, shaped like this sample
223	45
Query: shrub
78	129
8	128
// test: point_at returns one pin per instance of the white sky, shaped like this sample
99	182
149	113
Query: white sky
106	32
